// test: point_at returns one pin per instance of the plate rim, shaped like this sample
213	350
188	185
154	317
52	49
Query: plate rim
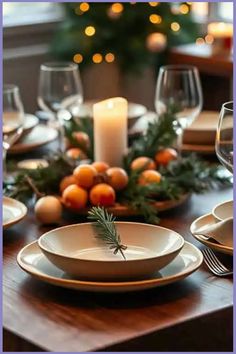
22	147
218	247
105	285
23	208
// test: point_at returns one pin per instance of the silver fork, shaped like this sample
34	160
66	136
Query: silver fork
214	264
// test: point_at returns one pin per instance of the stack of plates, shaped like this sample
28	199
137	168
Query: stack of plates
219	213
72	257
34	135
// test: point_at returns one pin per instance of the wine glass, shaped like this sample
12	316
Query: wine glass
13	119
224	136
178	89
59	89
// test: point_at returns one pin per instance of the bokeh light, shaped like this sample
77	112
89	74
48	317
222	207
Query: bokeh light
175	26
78	58
97	58
156	19
89	31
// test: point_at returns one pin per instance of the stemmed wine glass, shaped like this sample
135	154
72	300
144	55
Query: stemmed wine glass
224	136
13	119
59	89
179	89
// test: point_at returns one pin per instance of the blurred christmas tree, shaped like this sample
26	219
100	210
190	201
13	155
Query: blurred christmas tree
134	35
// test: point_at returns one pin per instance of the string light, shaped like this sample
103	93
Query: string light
155	19
117	7
84	6
153	4
209	39
184	9
89	31
109	57
200	41
97	58
78	58
175	26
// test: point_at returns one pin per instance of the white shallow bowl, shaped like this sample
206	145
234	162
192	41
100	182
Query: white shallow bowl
223	211
76	250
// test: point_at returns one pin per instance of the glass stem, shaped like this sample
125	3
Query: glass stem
4	164
179	139
61	137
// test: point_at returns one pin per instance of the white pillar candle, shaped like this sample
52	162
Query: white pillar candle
110	130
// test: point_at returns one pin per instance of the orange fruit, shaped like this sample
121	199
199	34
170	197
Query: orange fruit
163	157
75	154
82	139
143	163
102	194
148	177
117	178
75	197
85	175
101	166
67	181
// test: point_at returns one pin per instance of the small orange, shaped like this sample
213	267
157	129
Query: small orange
67	181
75	197
100	166
75	154
163	157
148	177
143	163
117	178
85	175
82	139
102	194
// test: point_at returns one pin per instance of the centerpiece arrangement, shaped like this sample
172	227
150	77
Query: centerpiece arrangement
98	168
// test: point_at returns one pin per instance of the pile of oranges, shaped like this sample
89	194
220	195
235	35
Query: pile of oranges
98	183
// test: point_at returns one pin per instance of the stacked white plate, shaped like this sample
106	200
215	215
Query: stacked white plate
73	257
220	212
34	135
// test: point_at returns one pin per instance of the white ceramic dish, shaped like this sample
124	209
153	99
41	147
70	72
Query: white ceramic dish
13	212
32	260
39	136
223	211
135	111
77	251
30	123
208	220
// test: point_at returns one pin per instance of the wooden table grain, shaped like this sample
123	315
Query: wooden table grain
194	314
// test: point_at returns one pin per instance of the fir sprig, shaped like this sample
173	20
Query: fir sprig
105	229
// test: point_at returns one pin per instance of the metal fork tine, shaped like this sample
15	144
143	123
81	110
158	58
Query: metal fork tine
217	261
215	266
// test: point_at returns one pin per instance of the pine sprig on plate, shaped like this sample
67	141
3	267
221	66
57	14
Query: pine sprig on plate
105	229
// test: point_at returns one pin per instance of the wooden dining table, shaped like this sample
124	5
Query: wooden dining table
194	314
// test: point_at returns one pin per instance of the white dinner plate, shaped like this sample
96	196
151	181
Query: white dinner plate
39	136
32	260
208	220
13	211
30	122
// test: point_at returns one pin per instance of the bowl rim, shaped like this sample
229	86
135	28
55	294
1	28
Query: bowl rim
219	205
176	249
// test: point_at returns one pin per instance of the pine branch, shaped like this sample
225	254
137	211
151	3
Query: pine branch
105	229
